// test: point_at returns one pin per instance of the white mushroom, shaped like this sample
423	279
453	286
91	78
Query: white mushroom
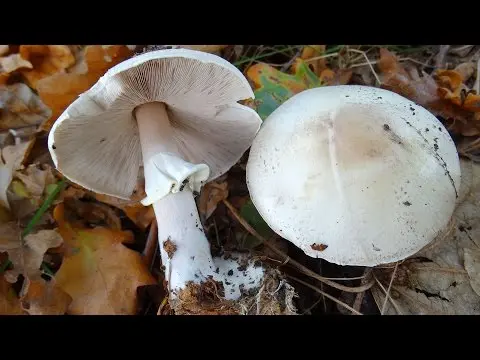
175	112
354	175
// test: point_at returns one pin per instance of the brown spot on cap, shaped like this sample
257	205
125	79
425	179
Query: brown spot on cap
169	247
318	247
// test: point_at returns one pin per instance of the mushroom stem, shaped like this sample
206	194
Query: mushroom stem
184	248
156	132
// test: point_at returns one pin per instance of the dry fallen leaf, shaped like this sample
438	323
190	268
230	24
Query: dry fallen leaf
436	97
99	272
142	216
338	77
313	51
12	157
20	106
205	48
9	301
26	256
88	213
4	49
46	60
273	87
29	188
443	278
61	89
211	194
45	298
11	63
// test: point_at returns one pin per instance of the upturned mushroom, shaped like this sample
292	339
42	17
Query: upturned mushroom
355	175
176	113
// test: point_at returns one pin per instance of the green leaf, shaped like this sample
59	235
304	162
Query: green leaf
250	213
273	87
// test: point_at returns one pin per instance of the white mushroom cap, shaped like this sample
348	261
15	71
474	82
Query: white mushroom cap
354	175
96	144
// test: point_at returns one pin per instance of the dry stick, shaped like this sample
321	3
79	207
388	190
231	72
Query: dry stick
476	86
389	288
287	65
357	304
325	294
458	51
416	61
321	57
313	306
440	58
151	245
369	63
299	266
397	308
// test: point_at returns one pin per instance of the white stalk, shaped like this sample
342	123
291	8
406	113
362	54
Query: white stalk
176	213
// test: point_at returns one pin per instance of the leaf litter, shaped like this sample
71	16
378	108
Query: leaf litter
67	250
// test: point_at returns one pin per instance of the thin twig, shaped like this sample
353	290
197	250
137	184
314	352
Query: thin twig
357	304
325	294
299	266
397	308
369	63
389	289
314	305
289	63
440	58
416	61
321	57
476	86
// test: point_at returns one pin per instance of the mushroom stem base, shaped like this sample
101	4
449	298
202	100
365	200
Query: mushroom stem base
184	248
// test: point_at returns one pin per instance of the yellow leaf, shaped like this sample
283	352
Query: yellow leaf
45	298
98	271
4	49
9	301
61	89
46	60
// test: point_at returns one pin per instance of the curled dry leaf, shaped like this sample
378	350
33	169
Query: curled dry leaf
20	107
338	77
211	194
99	272
44	298
9	301
444	277
87	214
59	90
142	216
4	49
12	157
273	87
444	94
11	63
29	188
26	256
46	60
313	51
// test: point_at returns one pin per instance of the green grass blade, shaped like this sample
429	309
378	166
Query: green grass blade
46	204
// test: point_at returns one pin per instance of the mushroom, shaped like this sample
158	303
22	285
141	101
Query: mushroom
354	175
176	113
